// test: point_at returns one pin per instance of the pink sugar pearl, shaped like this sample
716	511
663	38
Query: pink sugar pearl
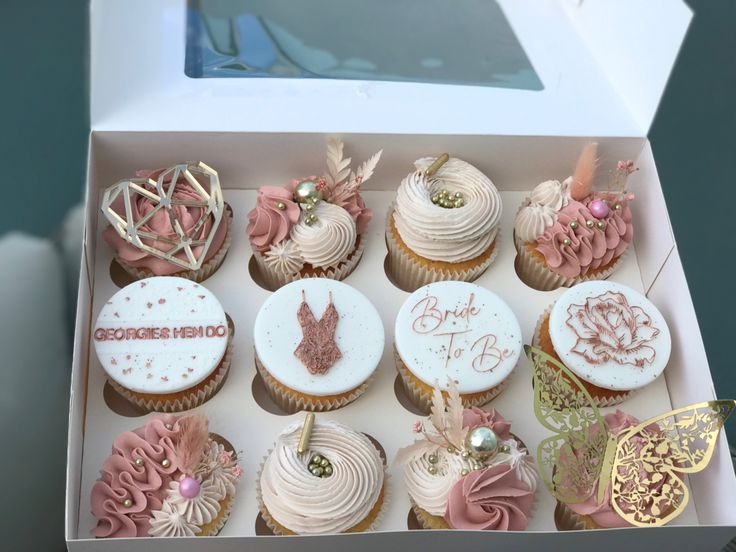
189	487
599	208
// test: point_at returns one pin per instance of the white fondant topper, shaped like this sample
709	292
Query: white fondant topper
460	330
610	335
358	335
161	335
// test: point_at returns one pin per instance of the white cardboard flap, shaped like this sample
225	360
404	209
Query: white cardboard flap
603	65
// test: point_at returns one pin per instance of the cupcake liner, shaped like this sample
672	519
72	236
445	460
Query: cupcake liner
535	273
410	275
567	520
223	515
601	402
205	271
273	279
190	399
291	401
422	397
278	529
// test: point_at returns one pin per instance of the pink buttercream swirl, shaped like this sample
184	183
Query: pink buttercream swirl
160	224
121	478
608	328
587	248
490	499
269	225
603	514
475	417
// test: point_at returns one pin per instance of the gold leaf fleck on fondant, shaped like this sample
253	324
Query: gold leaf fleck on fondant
161	301
149	305
113	361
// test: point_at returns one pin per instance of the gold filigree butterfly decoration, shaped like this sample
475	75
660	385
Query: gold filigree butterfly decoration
202	183
640	469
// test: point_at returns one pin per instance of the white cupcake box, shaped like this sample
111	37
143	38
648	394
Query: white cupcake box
603	64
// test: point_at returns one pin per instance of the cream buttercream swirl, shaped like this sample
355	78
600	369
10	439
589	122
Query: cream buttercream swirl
540	209
327	241
450	235
307	504
430	491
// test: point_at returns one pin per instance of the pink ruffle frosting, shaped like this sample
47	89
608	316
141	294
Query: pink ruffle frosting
121	479
268	224
589	248
490	499
603	514
160	224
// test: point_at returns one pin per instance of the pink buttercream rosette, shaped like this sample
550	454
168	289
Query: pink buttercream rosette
140	264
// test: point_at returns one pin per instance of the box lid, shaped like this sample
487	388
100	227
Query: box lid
596	68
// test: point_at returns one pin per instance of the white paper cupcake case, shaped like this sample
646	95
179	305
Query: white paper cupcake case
273	280
408	274
186	402
207	269
294	402
537	275
600	402
270	522
424	400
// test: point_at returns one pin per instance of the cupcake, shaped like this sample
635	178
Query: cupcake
611	337
317	344
165	343
457	330
169	222
592	514
336	484
566	233
313	227
443	224
467	470
169	478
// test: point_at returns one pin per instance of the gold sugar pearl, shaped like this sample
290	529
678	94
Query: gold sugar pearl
432	470
617	206
281	206
168	426
139	462
601	224
590	224
166	463
127	503
464	472
574	224
567	241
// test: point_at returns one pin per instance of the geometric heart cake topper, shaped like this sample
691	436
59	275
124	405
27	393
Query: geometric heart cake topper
640	469
161	192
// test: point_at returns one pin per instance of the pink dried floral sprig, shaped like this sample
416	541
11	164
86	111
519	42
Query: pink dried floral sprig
418	426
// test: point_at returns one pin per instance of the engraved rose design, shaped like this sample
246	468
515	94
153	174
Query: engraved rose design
609	329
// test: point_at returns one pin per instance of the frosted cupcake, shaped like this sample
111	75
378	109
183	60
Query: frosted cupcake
611	337
467	470
443	225
317	344
169	478
336	485
165	343
457	330
592	513
315	226
566	233
169	222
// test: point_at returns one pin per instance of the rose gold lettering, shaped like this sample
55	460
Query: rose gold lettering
100	334
490	356
450	346
430	319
